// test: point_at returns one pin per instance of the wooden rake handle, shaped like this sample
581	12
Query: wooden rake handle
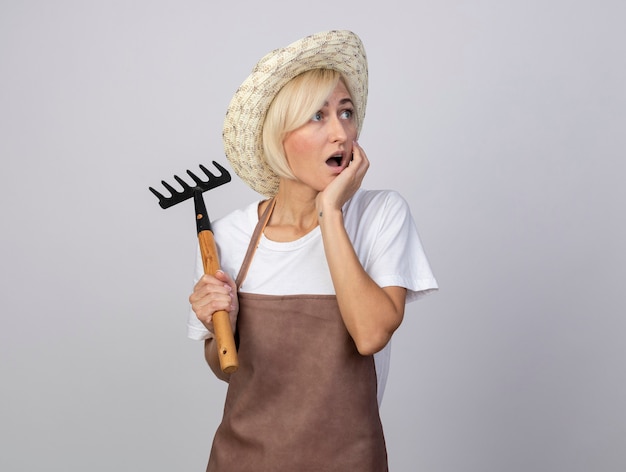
226	349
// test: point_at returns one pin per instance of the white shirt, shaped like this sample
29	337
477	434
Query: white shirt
385	239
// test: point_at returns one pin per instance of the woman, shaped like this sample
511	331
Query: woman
315	277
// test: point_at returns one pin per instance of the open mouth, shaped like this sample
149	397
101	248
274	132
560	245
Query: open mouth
334	161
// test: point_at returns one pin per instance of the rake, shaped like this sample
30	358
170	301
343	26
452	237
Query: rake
226	349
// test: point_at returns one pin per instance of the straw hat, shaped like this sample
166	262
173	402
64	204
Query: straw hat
243	126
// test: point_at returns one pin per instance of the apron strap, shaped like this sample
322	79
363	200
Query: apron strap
254	241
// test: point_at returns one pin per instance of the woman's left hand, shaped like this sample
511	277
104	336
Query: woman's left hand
345	185
373	315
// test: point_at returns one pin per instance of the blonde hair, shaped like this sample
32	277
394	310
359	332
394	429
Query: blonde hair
293	106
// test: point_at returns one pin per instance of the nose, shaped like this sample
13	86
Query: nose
337	131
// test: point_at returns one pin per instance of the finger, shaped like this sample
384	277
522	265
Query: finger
204	309
227	279
205	302
212	303
209	284
358	150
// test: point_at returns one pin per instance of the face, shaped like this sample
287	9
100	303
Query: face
321	149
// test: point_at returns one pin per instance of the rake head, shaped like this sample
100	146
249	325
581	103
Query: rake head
188	191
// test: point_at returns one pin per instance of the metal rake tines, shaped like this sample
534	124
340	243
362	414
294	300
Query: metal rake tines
188	191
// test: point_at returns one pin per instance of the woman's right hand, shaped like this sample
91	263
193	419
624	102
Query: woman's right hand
215	293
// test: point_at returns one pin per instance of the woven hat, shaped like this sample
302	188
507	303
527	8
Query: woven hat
342	51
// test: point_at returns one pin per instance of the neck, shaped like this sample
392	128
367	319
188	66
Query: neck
294	214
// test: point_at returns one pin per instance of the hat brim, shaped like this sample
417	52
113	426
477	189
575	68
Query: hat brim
342	51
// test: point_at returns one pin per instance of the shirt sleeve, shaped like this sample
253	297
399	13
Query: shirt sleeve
396	257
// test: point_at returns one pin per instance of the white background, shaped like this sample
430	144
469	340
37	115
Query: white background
503	123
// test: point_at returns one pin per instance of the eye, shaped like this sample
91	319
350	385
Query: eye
317	116
346	114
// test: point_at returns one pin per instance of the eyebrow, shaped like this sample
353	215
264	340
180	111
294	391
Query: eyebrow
343	101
